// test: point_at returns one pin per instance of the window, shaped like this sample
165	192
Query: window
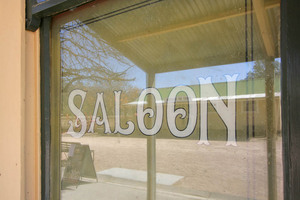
148	95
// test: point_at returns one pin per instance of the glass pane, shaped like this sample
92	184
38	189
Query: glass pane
170	99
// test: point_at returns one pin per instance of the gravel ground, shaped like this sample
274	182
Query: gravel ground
239	171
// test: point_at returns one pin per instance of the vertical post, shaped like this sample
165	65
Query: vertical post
290	84
270	129
45	107
151	148
246	60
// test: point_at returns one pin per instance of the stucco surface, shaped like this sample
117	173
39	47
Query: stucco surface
18	104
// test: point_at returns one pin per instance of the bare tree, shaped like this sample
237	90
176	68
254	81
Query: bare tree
86	57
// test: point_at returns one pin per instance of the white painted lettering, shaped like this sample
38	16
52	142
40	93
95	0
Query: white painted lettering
118	128
78	113
141	112
96	119
227	113
172	114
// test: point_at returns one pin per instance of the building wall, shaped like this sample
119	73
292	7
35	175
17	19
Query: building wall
19	105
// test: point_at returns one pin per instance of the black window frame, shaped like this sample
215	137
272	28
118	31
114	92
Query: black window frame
39	15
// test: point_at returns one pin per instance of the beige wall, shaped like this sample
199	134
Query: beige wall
19	105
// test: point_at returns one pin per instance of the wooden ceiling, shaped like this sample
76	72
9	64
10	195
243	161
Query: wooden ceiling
168	35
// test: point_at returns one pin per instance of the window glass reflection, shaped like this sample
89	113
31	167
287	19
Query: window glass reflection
173	99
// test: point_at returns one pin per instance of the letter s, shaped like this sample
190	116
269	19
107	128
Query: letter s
78	113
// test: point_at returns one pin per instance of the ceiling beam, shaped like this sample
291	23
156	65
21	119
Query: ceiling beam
264	27
190	24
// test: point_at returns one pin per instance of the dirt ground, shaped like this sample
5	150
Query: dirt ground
239	171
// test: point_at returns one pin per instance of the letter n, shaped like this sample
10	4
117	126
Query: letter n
226	112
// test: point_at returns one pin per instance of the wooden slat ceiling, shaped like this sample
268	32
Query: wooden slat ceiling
169	35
